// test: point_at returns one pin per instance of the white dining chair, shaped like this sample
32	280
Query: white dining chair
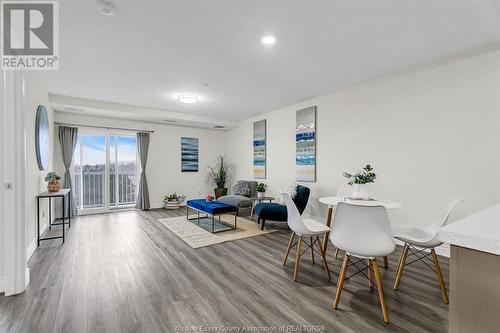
418	241
344	192
364	233
303	229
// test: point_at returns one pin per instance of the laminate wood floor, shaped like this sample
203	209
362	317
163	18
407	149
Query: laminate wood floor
125	272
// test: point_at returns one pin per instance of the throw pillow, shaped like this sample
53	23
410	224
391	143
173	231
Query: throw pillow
241	188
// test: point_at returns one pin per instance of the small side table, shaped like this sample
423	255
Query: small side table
256	200
64	194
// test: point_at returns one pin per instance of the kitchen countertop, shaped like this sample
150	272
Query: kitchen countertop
479	231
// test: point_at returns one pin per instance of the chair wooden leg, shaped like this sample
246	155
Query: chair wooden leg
440	276
323	257
340	282
402	262
336	254
380	289
386	262
292	236
297	259
370	272
312	249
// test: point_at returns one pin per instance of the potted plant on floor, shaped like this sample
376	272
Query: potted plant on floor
261	190
53	182
361	182
173	201
219	174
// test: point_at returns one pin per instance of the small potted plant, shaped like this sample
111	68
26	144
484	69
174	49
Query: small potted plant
173	201
53	182
219	174
361	181
261	190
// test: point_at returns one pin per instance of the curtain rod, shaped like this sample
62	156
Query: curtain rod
105	127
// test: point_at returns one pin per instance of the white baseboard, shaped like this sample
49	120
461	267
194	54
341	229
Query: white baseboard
443	250
2	284
33	245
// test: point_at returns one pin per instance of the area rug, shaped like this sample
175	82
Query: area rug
197	237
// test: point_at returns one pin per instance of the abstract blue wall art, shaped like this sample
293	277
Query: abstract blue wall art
305	145
259	149
189	154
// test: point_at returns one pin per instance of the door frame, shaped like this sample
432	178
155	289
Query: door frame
16	271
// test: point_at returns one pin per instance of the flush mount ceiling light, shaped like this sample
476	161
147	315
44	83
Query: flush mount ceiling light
268	40
188	98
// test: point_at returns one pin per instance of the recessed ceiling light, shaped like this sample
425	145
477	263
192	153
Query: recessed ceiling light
187	98
268	40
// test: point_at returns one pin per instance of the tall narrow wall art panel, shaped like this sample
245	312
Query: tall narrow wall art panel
259	149
305	145
189	154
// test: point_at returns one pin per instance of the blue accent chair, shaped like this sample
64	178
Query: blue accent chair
277	212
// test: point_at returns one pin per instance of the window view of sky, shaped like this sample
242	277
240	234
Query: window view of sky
94	149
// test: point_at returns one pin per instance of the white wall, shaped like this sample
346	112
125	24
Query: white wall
431	134
2	175
35	93
164	159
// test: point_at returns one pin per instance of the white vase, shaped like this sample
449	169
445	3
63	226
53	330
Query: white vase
260	195
361	191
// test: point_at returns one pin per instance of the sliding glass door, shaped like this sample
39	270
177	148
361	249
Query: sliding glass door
104	170
122	170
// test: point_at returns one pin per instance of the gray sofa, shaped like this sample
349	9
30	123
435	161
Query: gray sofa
241	201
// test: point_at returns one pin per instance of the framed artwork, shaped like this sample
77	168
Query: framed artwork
189	154
42	143
305	145
259	149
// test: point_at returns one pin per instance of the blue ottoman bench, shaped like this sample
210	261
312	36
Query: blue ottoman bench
277	212
213	209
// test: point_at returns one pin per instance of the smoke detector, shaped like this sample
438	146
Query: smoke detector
106	7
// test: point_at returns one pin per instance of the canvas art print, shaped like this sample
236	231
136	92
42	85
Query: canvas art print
305	145
189	155
259	149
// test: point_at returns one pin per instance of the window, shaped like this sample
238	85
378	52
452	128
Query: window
104	170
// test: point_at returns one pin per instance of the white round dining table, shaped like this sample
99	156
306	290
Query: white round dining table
333	201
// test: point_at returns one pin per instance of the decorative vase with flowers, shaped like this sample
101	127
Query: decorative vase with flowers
53	182
209	198
261	190
361	181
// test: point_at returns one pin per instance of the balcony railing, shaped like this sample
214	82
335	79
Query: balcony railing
122	188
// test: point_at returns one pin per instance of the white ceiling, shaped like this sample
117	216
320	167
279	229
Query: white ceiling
150	51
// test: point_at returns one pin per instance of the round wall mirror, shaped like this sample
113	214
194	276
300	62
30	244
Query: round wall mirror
42	137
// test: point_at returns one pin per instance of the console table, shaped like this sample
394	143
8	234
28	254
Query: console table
64	194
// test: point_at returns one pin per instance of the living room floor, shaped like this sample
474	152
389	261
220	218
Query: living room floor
125	272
